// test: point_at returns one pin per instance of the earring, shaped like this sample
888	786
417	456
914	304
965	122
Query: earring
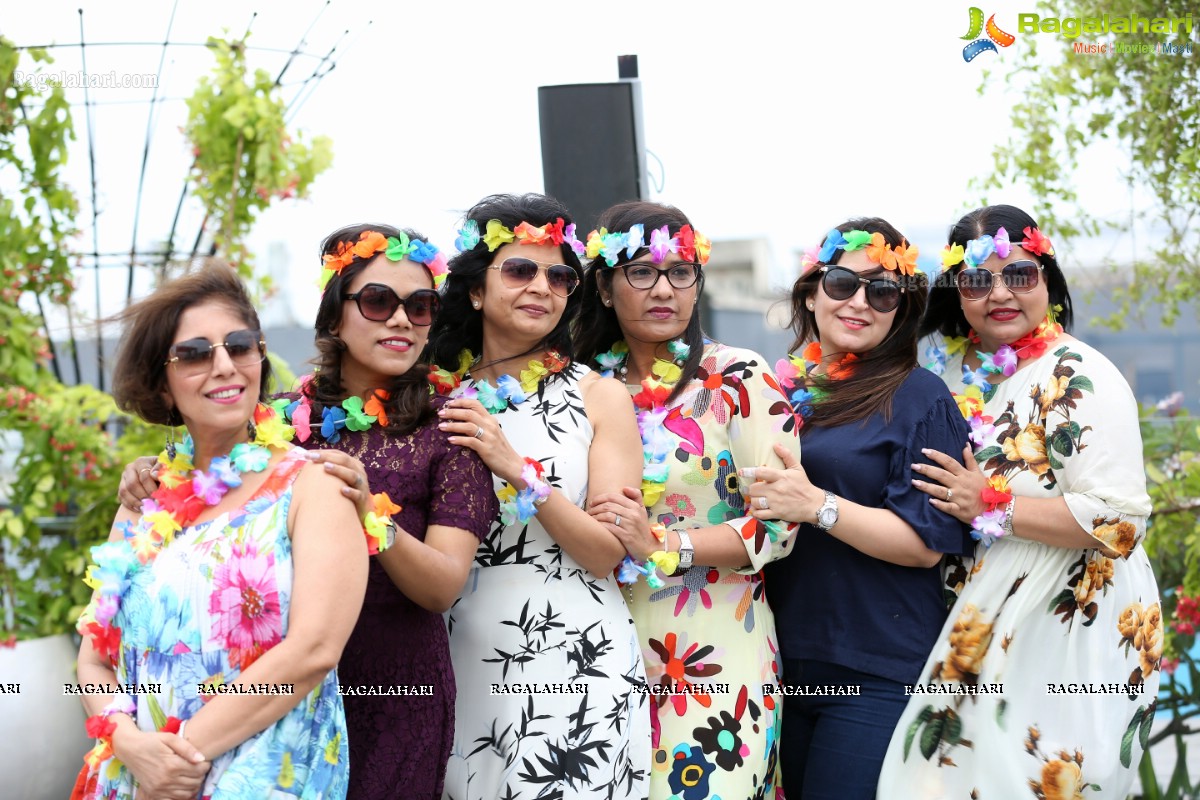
170	444
476	304
811	306
250	429
608	302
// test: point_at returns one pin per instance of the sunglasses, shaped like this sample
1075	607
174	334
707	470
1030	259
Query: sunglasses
644	276
1019	277
191	357
840	283
378	303
517	272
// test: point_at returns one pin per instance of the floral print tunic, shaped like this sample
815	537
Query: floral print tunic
551	686
1066	643
708	635
213	601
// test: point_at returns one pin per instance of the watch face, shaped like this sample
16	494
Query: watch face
827	517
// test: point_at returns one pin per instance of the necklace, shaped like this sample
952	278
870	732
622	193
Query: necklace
353	414
1006	358
657	443
182	495
802	385
509	392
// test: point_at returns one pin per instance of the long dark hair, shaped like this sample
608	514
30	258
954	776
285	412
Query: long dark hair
407	405
598	328
871	383
459	326
945	308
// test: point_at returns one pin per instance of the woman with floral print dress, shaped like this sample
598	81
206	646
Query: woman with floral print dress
707	633
858	613
228	600
551	687
1058	618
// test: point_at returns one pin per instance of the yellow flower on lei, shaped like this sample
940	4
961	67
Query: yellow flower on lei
596	243
970	402
496	235
274	432
530	376
667	372
652	491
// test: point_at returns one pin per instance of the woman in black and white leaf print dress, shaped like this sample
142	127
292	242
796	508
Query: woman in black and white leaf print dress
551	685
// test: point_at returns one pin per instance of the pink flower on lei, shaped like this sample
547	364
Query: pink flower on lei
245	605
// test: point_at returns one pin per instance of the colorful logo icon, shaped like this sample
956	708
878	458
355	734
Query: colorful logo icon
995	36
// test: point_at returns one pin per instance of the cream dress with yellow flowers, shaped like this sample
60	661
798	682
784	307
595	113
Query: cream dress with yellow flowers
1067	641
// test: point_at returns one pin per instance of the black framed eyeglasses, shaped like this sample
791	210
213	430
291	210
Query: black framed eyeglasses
192	356
1019	277
518	271
841	283
378	303
644	276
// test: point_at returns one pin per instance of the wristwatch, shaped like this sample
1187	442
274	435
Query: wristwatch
827	514
391	531
686	553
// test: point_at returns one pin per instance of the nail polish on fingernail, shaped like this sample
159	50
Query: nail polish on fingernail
925	451
329	466
312	455
442	426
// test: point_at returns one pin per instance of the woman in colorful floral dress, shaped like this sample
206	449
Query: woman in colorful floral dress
859	611
551	686
704	409
226	604
370	399
1058	617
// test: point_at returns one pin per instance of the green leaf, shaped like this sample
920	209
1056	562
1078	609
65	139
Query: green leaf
921	719
932	736
1127	737
988	453
156	713
1082	383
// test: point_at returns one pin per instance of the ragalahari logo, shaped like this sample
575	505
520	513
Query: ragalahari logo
994	37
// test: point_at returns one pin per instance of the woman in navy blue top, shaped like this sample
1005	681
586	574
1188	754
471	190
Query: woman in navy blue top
859	605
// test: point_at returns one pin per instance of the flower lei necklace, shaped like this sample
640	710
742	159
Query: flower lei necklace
796	376
995	521
508	392
657	445
354	414
182	495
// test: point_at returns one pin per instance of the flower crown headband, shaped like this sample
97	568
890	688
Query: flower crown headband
691	245
498	234
978	250
902	258
395	248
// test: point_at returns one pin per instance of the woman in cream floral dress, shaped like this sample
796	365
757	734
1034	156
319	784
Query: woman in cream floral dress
1043	681
706	631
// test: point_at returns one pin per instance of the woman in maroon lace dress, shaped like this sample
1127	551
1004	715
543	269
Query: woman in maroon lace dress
370	400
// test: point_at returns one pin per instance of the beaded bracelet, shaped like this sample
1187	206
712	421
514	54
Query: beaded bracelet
101	727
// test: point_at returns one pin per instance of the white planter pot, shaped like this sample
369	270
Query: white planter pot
46	741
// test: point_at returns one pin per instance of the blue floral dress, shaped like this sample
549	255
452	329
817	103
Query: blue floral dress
209	605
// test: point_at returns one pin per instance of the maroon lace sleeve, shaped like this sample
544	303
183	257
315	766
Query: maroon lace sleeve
461	491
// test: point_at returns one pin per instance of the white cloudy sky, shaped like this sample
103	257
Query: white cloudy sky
770	119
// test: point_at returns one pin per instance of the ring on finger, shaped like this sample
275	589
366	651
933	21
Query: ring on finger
949	495
479	432
762	503
147	470
617	521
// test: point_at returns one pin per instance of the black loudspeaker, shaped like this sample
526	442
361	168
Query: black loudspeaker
592	147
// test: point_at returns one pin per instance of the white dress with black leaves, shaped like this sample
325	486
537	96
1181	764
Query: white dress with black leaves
1061	632
551	685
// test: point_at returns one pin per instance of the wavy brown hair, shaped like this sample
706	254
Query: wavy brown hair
140	372
408	404
877	374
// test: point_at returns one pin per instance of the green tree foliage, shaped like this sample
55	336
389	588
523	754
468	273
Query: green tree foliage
1144	102
245	158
